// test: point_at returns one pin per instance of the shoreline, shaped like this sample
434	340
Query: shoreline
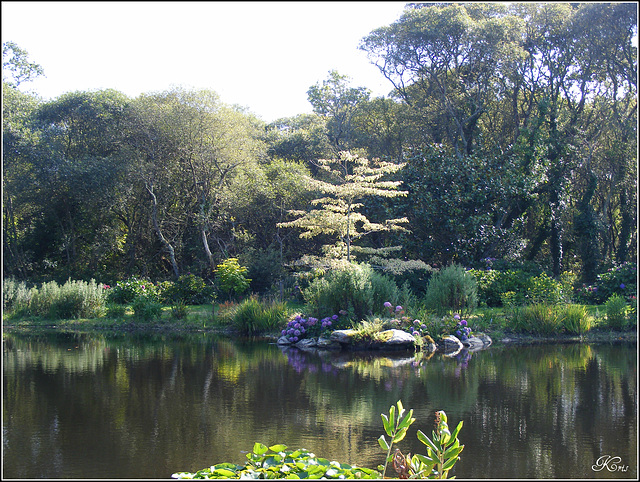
499	338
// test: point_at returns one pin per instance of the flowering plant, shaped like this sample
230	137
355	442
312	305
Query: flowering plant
464	331
300	328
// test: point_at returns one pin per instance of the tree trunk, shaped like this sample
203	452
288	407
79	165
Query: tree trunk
163	240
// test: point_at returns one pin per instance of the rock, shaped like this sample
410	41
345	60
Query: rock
327	343
473	343
307	343
283	340
451	345
342	336
396	338
486	340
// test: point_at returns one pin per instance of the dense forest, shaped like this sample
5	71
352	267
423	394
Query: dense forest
509	134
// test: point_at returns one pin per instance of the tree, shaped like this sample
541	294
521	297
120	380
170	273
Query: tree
349	179
16	66
338	103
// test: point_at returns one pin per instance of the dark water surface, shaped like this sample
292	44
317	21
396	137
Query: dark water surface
91	406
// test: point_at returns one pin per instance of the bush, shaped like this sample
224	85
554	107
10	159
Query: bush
189	289
115	311
543	289
146	308
231	277
125	292
616	310
620	280
356	289
179	311
452	289
252	317
16	297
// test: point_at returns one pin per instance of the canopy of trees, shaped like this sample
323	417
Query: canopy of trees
515	126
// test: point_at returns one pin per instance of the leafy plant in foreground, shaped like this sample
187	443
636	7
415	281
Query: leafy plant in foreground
443	449
278	462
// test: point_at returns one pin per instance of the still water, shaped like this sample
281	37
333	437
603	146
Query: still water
91	406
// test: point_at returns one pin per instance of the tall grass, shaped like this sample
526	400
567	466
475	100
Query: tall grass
452	289
548	319
253	317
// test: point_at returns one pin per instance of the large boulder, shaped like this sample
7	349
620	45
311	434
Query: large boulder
396	339
307	343
385	340
283	340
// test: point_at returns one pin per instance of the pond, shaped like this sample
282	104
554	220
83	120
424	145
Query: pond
132	406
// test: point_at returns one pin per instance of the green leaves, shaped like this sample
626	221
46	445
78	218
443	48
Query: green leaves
277	462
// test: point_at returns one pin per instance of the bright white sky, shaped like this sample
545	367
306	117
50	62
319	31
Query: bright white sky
261	55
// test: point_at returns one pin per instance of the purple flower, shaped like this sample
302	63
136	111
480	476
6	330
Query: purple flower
334	317
387	304
297	332
416	322
284	332
342	312
458	333
456	316
622	286
463	322
398	309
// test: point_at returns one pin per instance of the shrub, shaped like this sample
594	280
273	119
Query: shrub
543	289
125	292
492	284
356	289
619	280
575	319
115	311
616	310
74	299
189	289
452	289
231	277
146	308
179	311
16	297
252	317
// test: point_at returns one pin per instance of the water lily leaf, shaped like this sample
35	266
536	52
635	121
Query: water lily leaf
278	448
259	449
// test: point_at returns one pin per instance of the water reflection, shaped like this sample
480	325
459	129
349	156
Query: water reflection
80	406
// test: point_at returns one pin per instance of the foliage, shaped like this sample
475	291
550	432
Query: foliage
73	299
146	308
129	290
540	319
279	462
452	289
543	289
300	328
575	319
356	289
179	311
616	311
620	280
231	277
350	179
493	284
443	449
189	289
252	317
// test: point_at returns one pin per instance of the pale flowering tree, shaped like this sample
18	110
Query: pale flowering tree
349	179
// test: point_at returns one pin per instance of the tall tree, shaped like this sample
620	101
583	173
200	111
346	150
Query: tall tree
338	103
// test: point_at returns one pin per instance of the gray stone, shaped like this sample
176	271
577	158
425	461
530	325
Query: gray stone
451	345
485	339
395	338
283	340
342	336
307	343
473	343
327	343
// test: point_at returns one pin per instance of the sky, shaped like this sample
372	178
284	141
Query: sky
261	55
